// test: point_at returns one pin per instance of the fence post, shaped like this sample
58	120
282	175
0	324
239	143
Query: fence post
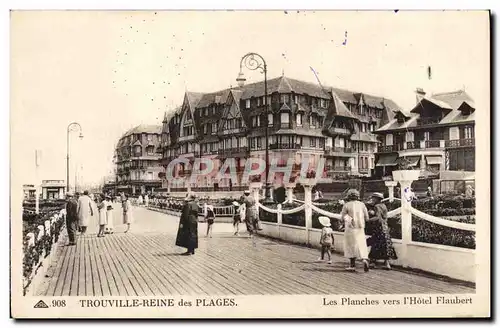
405	179
279	220
390	185
289	192
308	210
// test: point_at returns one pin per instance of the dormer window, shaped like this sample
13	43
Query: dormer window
299	119
247	103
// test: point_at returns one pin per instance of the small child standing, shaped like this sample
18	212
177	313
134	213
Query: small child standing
327	239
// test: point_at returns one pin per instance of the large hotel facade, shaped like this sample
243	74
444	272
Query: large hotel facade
137	162
304	119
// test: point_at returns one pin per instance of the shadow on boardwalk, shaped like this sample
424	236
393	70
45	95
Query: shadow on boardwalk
146	261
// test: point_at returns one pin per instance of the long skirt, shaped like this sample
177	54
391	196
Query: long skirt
109	220
102	217
355	244
381	245
128	217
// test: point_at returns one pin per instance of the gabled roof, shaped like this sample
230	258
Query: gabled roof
454	99
143	128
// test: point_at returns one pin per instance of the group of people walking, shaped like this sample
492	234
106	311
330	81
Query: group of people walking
355	216
80	209
246	210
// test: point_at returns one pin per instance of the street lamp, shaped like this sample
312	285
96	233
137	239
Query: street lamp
68	130
254	61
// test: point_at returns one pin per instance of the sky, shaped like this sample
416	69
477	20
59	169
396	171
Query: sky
110	71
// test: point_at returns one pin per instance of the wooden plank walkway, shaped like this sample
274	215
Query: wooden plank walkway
146	262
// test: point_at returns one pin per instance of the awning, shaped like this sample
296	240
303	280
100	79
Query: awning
413	160
432	160
387	160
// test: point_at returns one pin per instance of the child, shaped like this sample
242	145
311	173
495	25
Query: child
236	218
210	217
327	238
109	216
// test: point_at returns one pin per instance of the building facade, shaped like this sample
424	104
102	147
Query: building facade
137	161
436	135
53	189
304	120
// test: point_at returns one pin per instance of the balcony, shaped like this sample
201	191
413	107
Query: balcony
428	121
432	143
363	170
285	146
337	130
460	143
233	152
338	151
413	145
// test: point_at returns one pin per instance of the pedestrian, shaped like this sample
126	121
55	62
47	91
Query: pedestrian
251	216
85	211
128	216
146	200
139	200
187	233
355	214
239	215
101	207
71	218
429	192
78	228
327	239
109	216
380	241
210	218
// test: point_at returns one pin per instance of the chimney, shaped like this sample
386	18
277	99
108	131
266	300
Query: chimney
420	94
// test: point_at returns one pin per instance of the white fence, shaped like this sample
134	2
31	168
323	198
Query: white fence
453	262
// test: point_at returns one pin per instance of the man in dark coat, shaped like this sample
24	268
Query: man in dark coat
187	235
71	218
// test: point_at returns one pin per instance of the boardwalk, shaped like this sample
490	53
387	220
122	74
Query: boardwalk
145	261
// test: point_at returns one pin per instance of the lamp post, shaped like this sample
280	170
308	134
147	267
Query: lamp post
254	61
68	130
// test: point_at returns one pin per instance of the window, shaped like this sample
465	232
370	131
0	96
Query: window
322	103
214	128
247	103
252	143
205	129
299	119
312	142
361	109
259	101
150	150
312	120
259	143
321	143
468	132
150	137
285	118
296	99
270	119
298	141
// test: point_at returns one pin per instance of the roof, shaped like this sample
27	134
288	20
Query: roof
450	102
143	128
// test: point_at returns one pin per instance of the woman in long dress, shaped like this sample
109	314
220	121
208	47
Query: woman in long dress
85	211
109	216
355	214
101	207
187	233
251	215
128	216
380	241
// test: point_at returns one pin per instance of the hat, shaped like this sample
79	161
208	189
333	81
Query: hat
378	194
236	204
352	193
247	192
325	221
69	194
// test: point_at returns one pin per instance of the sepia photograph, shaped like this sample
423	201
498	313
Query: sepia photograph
249	164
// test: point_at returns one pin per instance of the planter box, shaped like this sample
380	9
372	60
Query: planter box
406	175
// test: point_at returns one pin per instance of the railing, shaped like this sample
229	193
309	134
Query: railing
428	120
231	151
413	145
460	143
386	149
340	130
338	150
285	146
460	261
363	170
432	143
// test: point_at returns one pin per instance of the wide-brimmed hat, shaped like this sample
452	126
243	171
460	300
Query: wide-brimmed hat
325	221
69	194
247	192
378	195
236	204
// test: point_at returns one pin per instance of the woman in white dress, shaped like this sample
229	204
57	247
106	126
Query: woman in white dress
355	214
128	217
109	216
101	207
